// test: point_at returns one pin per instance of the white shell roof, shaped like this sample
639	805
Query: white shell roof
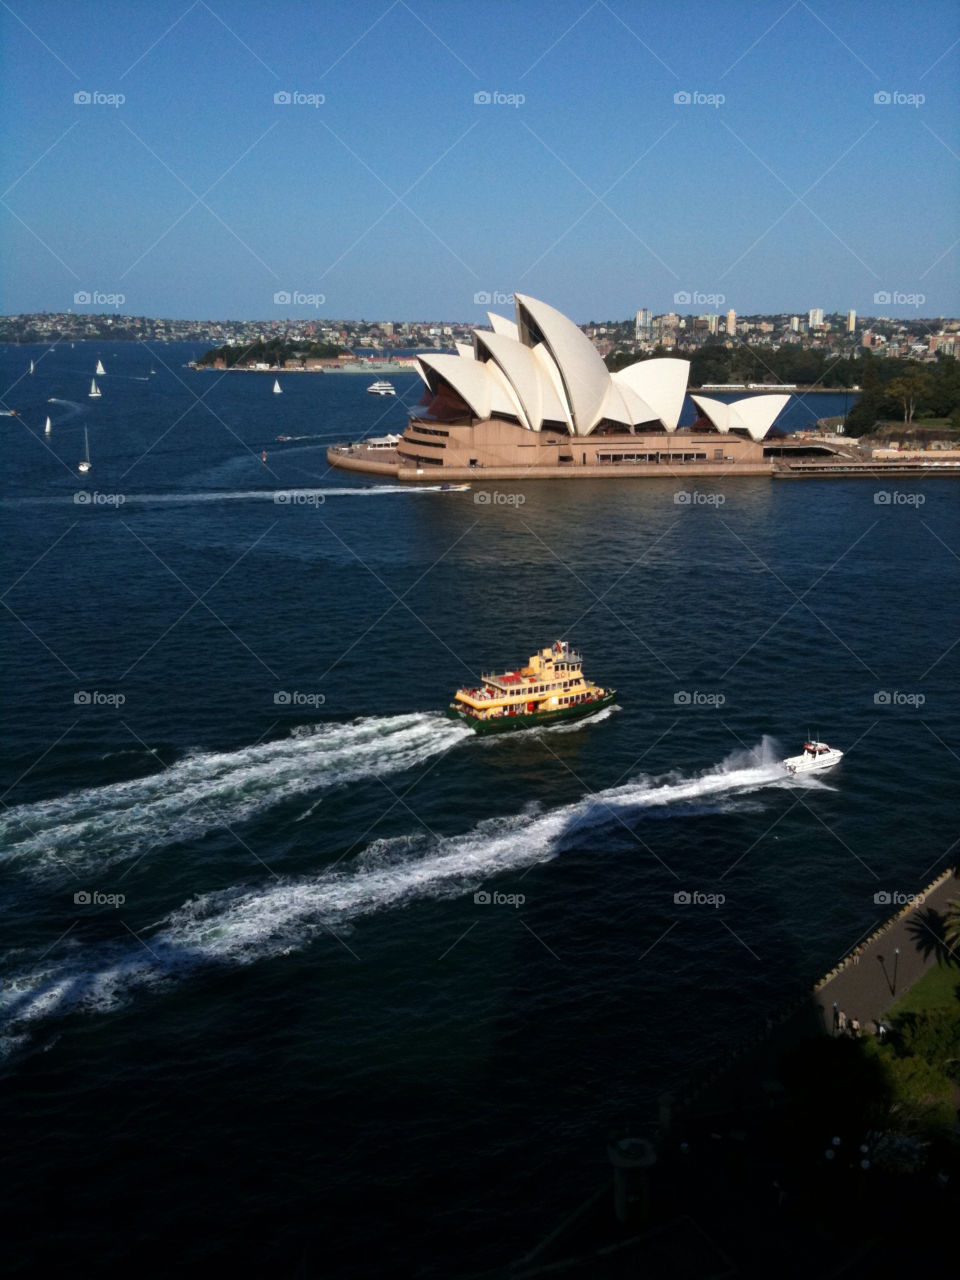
661	383
472	382
533	387
564	379
500	324
754	414
585	376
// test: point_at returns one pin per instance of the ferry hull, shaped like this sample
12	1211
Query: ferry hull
504	724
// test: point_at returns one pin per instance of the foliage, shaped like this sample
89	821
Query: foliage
923	1096
273	352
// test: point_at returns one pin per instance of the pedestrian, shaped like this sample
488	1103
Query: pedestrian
836	1017
881	1032
857	953
855	1028
842	1021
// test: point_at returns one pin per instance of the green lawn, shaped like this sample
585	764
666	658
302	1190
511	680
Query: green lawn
937	989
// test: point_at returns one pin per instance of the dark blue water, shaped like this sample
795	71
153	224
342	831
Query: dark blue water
300	1038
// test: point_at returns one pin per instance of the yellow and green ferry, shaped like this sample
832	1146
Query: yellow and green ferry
550	688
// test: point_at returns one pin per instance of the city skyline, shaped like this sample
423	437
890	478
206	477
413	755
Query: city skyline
396	160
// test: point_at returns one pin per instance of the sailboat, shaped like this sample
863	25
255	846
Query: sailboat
277	389
84	463
47	427
31	366
95	391
153	371
100	370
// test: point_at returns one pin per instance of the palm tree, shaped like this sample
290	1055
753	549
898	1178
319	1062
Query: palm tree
951	927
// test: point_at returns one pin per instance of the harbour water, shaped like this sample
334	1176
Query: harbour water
297	969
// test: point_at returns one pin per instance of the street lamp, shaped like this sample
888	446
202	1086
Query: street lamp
896	962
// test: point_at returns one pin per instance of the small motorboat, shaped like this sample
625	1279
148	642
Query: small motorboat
454	488
382	388
814	757
284	437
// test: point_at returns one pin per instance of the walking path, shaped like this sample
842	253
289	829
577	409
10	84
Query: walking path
864	986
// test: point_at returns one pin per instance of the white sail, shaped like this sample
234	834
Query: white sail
100	369
277	389
94	389
84	465
31	366
47	427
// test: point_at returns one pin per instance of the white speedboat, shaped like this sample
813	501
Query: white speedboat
814	757
382	388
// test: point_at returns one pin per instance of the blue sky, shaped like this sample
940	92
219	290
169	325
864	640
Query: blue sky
401	197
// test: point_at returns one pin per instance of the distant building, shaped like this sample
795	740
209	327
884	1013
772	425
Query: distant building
643	323
732	322
795	324
851	322
713	323
815	318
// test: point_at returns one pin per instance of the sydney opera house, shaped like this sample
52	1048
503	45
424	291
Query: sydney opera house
532	397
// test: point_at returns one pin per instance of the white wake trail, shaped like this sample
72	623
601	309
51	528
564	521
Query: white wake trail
243	925
99	826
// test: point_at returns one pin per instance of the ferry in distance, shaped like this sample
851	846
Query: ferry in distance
814	757
550	688
381	388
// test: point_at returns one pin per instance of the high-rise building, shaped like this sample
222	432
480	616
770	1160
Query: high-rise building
732	323
851	322
795	324
713	324
642	329
815	318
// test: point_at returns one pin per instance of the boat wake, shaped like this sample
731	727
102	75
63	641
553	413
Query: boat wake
242	925
292	497
100	826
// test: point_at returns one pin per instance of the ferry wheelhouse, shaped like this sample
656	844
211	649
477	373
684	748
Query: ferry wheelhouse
550	688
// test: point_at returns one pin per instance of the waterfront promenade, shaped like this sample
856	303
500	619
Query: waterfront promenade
864	986
889	962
